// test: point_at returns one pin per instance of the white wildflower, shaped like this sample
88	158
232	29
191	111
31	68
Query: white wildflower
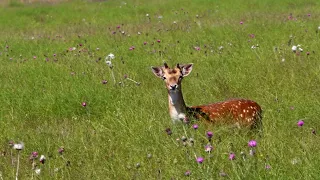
139	33
160	17
42	159
300	49
19	146
109	63
37	171
74	48
220	48
147	15
319	28
110	57
174	22
294	48
282	60
253	47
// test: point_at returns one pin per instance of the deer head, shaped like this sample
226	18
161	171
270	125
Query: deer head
172	77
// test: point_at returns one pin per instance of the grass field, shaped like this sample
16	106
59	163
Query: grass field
61	100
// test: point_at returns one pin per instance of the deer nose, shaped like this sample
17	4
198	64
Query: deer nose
173	87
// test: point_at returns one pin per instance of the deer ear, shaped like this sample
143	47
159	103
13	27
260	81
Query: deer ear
186	69
157	71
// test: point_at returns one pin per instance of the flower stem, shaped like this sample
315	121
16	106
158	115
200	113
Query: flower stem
112	74
18	162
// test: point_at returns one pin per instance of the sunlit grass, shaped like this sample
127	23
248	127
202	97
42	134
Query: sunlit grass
52	60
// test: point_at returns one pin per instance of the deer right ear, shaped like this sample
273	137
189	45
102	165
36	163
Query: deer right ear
157	71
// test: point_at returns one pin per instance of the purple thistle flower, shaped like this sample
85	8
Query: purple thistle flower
232	156
104	81
300	123
168	131
34	154
186	120
252	143
223	174
268	167
84	104
145	43
200	160
187	173
158	40
195	126
11	143
209	134
208	148
241	22
61	150
197	48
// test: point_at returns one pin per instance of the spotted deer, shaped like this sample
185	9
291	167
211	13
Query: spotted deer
241	112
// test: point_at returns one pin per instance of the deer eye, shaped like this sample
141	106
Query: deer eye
164	78
180	77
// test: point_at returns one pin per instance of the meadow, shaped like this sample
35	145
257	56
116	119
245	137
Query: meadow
90	120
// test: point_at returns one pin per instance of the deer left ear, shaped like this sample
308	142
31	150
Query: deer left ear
186	69
157	71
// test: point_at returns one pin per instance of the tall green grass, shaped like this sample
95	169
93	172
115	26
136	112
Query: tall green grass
120	133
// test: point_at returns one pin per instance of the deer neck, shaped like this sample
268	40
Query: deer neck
177	106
